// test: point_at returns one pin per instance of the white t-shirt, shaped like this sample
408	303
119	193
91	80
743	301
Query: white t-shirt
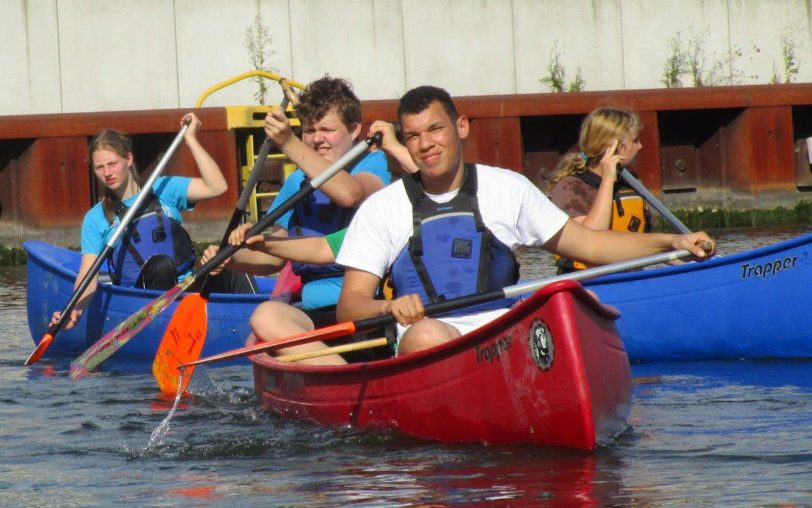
513	209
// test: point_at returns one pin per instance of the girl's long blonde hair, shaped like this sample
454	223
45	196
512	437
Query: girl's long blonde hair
122	145
598	130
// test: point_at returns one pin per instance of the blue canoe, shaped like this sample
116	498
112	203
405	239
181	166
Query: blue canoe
752	304
51	272
745	305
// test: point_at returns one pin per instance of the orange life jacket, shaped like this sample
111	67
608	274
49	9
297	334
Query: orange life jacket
629	213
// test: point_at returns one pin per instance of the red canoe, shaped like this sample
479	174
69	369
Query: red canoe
552	371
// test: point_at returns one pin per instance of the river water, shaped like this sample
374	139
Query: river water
702	434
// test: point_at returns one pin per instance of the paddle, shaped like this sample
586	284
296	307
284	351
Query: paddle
122	333
638	187
46	340
186	332
349	327
344	348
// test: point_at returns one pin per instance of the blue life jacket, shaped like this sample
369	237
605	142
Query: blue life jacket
451	253
317	215
152	233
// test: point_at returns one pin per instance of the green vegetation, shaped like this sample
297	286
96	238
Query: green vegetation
690	60
693	62
258	43
10	256
701	218
674	64
790	63
556	74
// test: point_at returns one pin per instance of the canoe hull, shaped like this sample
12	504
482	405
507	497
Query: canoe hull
51	272
498	384
751	304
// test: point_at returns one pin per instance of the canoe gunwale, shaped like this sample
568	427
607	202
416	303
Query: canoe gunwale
390	366
715	262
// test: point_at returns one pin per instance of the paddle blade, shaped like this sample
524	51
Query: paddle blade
182	343
121	334
40	350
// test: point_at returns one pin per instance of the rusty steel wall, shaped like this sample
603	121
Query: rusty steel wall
728	147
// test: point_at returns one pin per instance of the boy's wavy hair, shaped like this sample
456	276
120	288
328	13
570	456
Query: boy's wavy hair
324	94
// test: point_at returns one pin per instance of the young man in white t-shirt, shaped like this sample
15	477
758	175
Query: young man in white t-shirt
512	208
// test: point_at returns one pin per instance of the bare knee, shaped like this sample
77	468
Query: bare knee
272	320
424	334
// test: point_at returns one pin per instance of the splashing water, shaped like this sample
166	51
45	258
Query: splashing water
157	436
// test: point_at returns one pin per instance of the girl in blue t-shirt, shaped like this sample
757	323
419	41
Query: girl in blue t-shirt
155	247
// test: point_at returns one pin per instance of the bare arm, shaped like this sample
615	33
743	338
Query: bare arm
311	249
247	260
392	147
600	247
344	189
211	182
357	300
81	304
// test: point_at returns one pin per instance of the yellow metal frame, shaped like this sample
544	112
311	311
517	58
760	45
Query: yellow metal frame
240	117
252	214
245	75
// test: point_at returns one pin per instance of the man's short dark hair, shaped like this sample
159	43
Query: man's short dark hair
418	99
327	93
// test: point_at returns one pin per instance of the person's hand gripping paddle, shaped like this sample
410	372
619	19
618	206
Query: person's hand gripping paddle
186	332
126	330
80	289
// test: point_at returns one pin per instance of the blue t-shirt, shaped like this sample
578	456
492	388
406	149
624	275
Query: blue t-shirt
171	192
324	292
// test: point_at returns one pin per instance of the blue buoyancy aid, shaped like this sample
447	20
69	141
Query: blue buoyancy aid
318	215
152	233
451	253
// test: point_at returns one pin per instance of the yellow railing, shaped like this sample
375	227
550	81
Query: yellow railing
241	117
245	75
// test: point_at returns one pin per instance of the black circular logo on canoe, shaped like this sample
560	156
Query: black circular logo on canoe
541	344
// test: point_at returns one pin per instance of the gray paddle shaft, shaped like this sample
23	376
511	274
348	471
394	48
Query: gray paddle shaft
589	273
638	187
147	187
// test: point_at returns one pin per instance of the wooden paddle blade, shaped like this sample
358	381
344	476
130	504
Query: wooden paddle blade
40	350
182	343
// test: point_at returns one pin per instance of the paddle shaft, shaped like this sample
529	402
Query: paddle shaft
344	348
109	246
122	333
349	327
185	335
242	202
306	188
638	187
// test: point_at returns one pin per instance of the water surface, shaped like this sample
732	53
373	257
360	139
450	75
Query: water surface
702	434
